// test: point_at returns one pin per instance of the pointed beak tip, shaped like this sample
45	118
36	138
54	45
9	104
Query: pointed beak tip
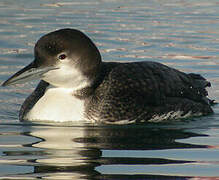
22	76
26	74
5	83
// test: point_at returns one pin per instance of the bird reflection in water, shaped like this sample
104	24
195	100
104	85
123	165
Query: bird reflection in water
77	151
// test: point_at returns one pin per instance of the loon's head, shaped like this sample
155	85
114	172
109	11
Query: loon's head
63	58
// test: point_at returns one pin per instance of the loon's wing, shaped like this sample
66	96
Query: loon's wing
33	98
140	91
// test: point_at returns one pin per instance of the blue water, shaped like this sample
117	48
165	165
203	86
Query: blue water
181	34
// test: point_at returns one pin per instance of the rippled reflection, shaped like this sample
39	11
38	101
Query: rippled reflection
96	152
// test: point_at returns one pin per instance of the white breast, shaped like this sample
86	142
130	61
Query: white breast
57	104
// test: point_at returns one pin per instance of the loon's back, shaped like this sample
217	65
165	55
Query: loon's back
147	91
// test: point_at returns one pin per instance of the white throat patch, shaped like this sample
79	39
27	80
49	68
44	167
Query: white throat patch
57	104
66	76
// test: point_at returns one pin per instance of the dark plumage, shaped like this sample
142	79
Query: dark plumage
141	91
129	92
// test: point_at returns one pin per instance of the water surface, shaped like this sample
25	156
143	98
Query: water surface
181	34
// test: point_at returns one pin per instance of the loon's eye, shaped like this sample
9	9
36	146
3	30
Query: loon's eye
62	56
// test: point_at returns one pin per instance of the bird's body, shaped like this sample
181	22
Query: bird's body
79	86
123	93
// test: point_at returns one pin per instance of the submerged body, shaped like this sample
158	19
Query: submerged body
79	86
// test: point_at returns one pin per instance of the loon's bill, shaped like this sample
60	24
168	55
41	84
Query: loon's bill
28	73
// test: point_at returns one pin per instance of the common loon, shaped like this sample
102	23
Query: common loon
76	85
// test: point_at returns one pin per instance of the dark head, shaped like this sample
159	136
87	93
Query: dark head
63	58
